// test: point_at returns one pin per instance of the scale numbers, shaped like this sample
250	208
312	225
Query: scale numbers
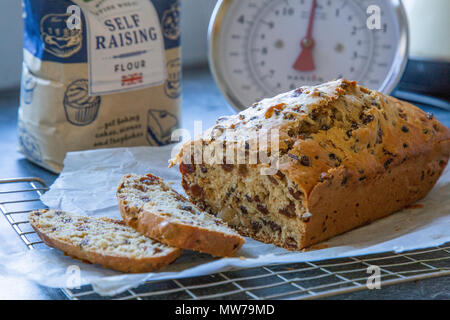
266	47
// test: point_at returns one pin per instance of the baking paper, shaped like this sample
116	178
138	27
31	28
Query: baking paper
88	184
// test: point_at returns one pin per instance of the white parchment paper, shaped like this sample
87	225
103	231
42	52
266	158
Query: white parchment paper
87	186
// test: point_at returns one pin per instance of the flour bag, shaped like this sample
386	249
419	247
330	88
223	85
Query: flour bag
98	74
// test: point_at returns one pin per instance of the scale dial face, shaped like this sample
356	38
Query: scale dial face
262	48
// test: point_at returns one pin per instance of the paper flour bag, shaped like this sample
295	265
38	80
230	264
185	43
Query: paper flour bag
98	74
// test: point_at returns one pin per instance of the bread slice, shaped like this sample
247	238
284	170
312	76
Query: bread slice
108	242
157	211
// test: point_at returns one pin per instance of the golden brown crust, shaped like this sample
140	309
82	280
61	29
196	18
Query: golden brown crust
129	214
112	262
188	237
165	229
119	263
397	131
337	209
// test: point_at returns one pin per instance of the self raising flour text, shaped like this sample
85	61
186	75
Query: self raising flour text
125	31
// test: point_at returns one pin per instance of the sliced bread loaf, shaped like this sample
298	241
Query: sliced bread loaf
346	156
108	242
157	211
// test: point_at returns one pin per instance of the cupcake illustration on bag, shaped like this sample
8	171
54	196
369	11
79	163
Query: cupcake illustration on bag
81	109
58	39
160	125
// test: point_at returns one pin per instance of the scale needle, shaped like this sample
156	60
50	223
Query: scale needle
305	61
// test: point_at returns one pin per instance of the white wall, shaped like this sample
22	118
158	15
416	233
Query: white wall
195	18
10	43
429	26
194	25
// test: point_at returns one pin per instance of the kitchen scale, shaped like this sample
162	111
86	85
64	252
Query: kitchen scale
260	48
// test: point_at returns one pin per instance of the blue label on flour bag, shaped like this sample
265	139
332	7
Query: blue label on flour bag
123	41
47	35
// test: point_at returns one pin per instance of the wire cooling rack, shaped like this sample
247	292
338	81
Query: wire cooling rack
290	281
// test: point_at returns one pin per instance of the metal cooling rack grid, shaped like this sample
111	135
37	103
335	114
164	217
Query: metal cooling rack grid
290	281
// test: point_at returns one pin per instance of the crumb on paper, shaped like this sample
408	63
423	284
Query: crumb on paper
242	258
415	206
316	247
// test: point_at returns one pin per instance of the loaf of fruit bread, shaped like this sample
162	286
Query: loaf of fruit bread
346	156
108	242
154	209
